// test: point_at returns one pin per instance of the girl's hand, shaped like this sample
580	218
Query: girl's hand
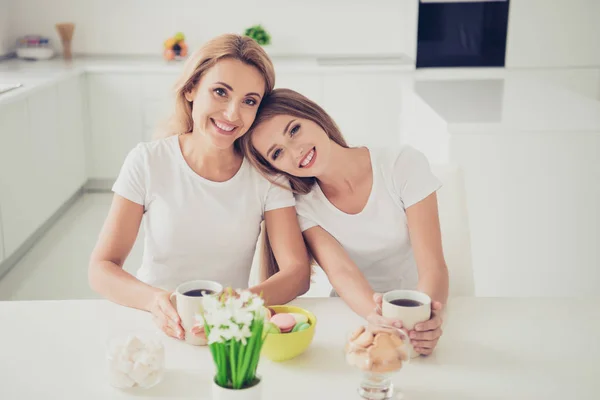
426	334
376	318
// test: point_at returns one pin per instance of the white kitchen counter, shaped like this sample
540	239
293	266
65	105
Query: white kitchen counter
514	101
492	348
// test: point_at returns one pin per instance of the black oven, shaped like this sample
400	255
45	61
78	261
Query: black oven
465	33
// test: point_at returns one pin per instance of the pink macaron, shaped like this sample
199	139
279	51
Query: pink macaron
285	322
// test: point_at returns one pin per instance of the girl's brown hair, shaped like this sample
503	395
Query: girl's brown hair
285	102
237	47
289	102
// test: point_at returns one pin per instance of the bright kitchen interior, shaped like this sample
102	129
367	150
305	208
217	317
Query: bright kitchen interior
514	138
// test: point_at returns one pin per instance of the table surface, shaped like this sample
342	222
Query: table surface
492	348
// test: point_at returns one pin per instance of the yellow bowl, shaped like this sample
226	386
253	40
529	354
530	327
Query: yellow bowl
285	346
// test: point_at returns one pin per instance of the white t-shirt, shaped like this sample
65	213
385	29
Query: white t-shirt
195	228
377	238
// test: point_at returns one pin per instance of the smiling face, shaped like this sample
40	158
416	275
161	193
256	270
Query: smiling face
297	146
225	101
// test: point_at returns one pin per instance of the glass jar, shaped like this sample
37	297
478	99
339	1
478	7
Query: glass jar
380	352
135	360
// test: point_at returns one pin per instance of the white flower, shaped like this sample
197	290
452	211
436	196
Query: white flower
232	318
211	303
234	303
219	317
256	304
215	336
243	316
245	333
231	332
246	295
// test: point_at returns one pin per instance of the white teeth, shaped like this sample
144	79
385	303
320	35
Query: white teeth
227	128
308	158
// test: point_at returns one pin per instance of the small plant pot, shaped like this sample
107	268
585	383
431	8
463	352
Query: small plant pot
253	392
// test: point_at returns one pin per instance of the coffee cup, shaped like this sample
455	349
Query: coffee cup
188	299
408	306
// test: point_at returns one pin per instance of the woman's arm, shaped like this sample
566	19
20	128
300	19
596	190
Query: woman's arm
426	241
107	276
293	278
344	275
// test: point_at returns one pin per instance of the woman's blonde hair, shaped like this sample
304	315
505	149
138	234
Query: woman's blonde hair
292	103
286	102
231	46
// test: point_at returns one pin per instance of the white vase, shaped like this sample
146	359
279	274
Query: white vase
251	393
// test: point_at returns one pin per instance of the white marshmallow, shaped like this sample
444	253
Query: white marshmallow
121	364
152	360
138	362
140	372
120	380
133	344
151	379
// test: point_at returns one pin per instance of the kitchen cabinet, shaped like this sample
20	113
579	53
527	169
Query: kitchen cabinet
1	237
310	84
42	158
158	100
365	105
45	151
116	120
19	196
71	135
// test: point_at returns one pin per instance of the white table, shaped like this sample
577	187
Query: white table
491	349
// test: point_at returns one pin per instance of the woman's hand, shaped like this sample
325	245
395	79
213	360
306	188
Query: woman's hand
198	331
165	316
426	334
376	318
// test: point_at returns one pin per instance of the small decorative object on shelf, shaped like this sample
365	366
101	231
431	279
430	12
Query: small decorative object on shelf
65	31
34	47
175	47
258	33
234	321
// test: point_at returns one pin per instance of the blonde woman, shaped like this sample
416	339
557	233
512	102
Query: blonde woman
200	200
369	216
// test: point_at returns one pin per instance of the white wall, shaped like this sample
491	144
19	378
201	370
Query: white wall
556	33
5	44
297	27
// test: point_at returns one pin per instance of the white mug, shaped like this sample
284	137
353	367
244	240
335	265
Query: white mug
410	316
188	306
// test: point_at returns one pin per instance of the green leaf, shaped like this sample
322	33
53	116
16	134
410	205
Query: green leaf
248	358
233	366
256	351
243	350
226	364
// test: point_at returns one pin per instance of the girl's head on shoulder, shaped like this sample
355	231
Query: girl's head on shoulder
292	135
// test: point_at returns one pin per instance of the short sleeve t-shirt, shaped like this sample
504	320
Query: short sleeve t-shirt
196	228
377	238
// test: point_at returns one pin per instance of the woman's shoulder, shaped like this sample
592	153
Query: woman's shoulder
260	179
389	159
310	200
157	150
390	154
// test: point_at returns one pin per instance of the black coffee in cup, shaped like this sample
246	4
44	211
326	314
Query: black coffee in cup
198	292
406	303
